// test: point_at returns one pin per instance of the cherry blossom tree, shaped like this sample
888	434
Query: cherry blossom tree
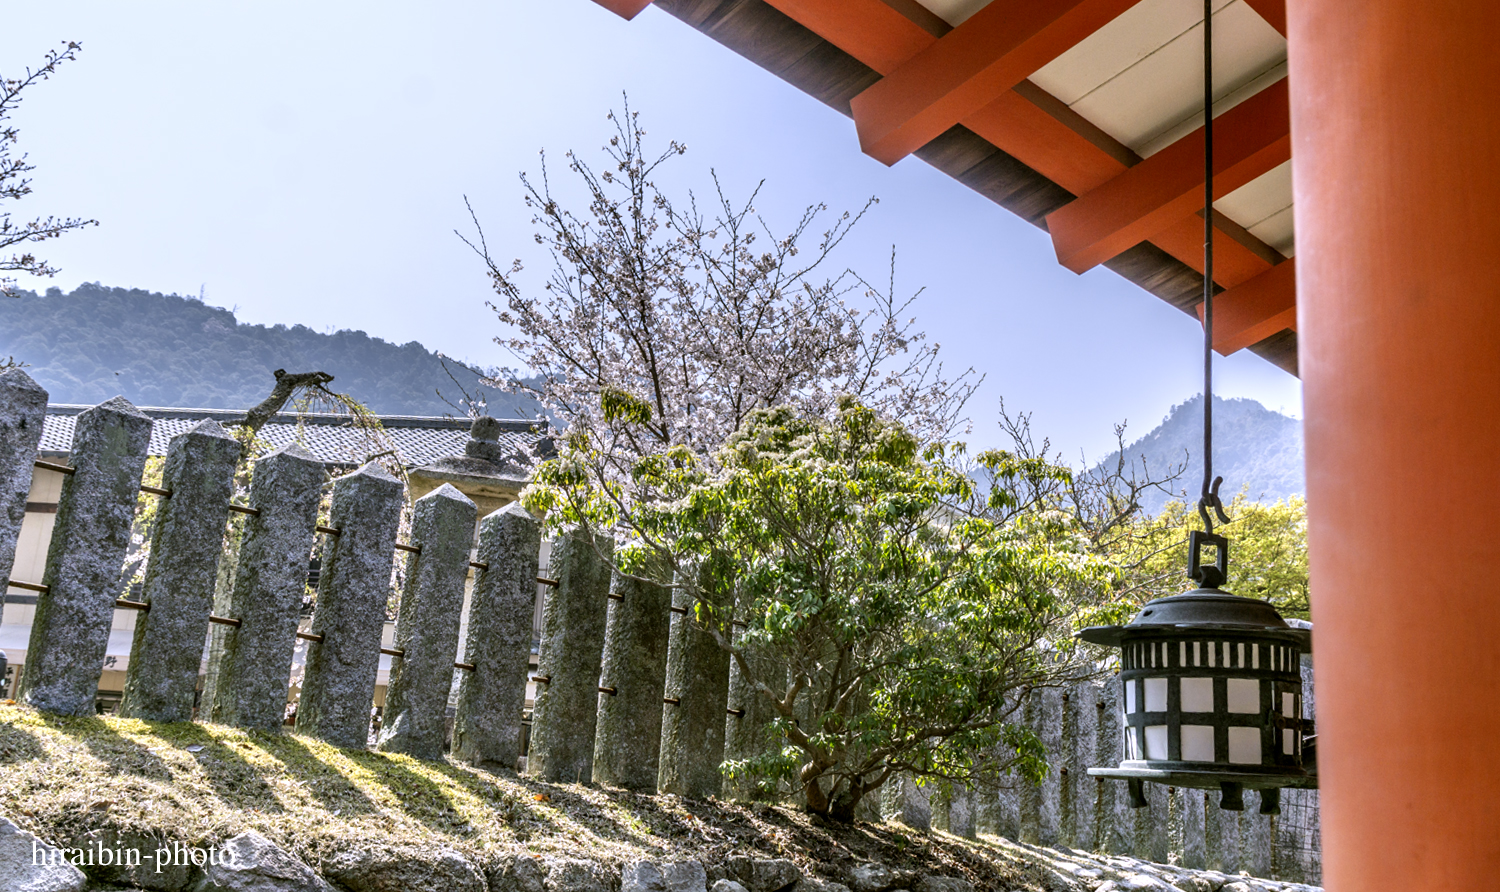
15	185
665	324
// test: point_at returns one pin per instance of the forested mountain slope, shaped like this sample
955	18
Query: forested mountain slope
165	350
1254	448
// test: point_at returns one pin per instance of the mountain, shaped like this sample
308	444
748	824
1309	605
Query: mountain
165	350
1254	448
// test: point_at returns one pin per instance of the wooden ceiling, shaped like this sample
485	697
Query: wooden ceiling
965	99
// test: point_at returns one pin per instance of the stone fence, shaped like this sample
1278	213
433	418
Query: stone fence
1081	729
630	690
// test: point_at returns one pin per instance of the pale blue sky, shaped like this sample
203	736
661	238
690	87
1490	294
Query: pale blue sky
306	162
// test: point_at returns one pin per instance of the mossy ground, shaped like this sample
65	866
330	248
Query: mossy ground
201	784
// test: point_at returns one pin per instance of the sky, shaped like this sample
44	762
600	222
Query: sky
308	163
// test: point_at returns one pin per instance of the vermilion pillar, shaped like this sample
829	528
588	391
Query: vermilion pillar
1396	161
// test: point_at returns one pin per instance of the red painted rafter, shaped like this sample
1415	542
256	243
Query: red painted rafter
625	9
970	67
1255	310
1249	140
869	30
1027	123
1273	11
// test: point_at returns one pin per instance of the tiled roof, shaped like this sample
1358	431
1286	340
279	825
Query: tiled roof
418	440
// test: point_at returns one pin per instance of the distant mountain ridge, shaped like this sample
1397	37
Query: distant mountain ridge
1255	449
165	350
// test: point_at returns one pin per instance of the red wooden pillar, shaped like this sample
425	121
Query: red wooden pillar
1396	162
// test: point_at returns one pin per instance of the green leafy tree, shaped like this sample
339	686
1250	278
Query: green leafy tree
894	618
1267	553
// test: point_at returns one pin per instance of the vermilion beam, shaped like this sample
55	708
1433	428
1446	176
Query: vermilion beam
1234	262
1273	11
1255	310
1249	140
626	9
869	30
975	63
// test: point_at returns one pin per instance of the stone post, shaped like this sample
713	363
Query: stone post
961	812
566	705
1257	836
23	409
1029	795
1008	808
1112	809
492	697
338	687
70	631
185	549
905	801
1194	811
628	740
249	674
1079	737
1047	721
416	701
692	729
747	732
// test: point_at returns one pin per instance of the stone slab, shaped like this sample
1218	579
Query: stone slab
90	536
338	688
249	673
416	702
627	741
692	730
492	697
23	410
570	657
185	547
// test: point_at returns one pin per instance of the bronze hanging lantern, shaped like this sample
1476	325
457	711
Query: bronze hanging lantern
1211	691
1211	682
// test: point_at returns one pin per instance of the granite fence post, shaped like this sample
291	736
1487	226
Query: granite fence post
1046	716
338	687
23	409
415	720
1194	811
907	802
70	631
1257	835
492	697
1029	798
938	802
1221	837
747	727
1008	808
986	819
1112	806
627	743
1079	737
961	811
185	549
249	674
692	728
566	705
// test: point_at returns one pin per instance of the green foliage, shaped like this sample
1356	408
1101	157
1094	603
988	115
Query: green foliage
891	623
163	350
1267	552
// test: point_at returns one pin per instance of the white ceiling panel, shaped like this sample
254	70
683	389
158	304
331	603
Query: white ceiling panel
1264	207
1276	231
1140	31
1267	194
954	11
1136	93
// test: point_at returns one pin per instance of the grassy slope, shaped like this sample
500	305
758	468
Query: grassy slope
201	784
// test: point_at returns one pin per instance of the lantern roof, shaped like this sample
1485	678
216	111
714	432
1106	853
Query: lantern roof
1204	610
